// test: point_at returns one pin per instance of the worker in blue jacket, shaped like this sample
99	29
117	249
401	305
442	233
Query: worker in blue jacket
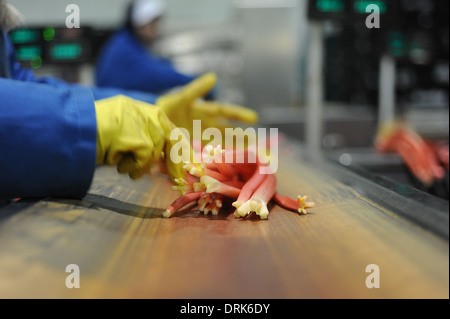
126	62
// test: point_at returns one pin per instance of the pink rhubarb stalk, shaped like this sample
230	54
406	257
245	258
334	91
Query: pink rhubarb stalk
300	205
249	187
185	187
218	159
202	170
215	186
180	202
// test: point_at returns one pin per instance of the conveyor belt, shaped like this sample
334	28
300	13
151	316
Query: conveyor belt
124	249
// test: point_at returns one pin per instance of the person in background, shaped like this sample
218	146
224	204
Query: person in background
126	62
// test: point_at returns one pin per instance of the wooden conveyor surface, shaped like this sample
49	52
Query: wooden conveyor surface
125	249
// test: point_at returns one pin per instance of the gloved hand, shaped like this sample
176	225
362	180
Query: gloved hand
184	106
134	135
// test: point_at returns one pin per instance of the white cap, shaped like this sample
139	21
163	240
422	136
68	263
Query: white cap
10	17
145	11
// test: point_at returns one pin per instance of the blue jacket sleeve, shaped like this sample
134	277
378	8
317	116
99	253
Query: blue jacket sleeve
125	63
47	140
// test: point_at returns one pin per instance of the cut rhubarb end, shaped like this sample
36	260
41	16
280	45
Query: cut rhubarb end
260	208
237	204
204	201
199	187
303	204
255	205
244	209
166	213
210	184
210	203
209	208
263	212
182	187
212	154
195	170
300	205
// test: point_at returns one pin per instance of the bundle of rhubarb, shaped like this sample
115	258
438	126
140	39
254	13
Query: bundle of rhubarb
425	161
238	178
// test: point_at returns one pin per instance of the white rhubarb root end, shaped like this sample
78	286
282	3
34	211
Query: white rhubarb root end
263	211
237	204
244	209
194	170
303	205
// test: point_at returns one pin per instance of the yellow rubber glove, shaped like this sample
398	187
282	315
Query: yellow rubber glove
134	135
185	106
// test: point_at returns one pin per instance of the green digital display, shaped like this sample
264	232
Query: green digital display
330	5
66	51
24	36
361	5
28	52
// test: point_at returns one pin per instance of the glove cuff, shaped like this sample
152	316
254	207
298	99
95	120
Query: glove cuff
104	130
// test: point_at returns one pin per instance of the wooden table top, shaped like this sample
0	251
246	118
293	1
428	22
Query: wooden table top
125	249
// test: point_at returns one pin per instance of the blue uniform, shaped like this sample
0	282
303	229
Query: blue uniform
47	140
10	68
127	64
